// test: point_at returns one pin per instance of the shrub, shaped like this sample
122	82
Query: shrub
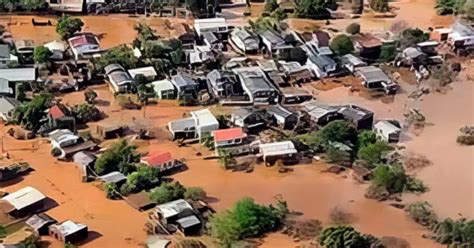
338	156
454	233
388	52
344	236
111	191
120	157
342	44
67	26
448	7
167	192
41	54
86	112
339	131
353	28
195	193
421	213
90	95
373	153
365	138
412	36
311	9
379	5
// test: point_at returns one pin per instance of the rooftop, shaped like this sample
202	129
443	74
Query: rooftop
387	126
277	148
367	40
83	39
183	79
157	158
113	177
39	220
355	112
279	110
204	117
372	74
173	208
18	74
148	71
189	221
69	227
24	197
228	134
56	112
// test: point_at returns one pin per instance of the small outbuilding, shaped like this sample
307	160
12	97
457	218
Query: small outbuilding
284	117
69	231
388	130
360	117
23	202
271	152
164	89
40	223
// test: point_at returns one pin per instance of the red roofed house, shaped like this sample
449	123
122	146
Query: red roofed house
229	137
84	45
58	119
162	160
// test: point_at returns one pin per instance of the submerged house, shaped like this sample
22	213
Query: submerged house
256	86
295	72
23	202
221	83
461	36
185	85
321	65
84	45
232	140
40	223
244	41
360	117
367	45
271	152
162	160
388	130
351	62
164	89
201	122
249	118
178	214
283	117
69	231
217	26
273	42
374	78
119	79
321	114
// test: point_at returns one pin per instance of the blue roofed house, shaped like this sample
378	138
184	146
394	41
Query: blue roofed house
185	85
256	85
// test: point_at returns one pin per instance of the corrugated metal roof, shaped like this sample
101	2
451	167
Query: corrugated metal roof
24	197
173	208
204	117
277	148
229	134
18	74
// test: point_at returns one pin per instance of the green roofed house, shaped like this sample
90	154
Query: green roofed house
164	89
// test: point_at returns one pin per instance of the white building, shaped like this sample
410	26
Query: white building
388	130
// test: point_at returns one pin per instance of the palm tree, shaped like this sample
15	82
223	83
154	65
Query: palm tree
226	159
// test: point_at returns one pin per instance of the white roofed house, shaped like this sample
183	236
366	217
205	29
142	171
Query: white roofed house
221	83
217	26
243	41
185	85
461	36
374	78
23	202
201	122
388	130
178	213
256	85
271	152
148	72
164	89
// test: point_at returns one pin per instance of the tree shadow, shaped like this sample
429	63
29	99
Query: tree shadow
11	182
210	199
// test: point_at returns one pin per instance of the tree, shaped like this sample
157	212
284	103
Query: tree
246	219
270	6
90	95
41	54
122	55
67	26
342	44
294	54
379	5
422	213
311	9
448	7
412	36
120	157
21	95
469	10
3	232
226	159
339	131
144	32
338	156
29	114
393	180
373	153
195	193
86	112
365	138
144	177
353	28
167	192
111	191
388	52
344	236
145	92
207	140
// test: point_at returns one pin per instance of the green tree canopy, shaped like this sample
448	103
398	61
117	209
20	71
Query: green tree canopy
41	54
365	138
342	44
86	112
448	7
67	26
379	5
343	237
373	153
195	193
145	177
122	55
353	28
120	157
412	36
246	219
311	9
29	114
167	192
339	131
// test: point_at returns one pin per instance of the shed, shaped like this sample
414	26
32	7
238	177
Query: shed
388	130
278	150
164	89
360	117
40	223
23	202
18	74
149	72
113	177
69	231
7	104
189	225
172	211
140	201
283	116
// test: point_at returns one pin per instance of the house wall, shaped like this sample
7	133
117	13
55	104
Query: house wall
32	209
77	236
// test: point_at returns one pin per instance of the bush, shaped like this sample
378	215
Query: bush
311	9
144	178
421	213
342	44
111	191
41	54
454	233
195	193
388	52
86	112
344	236
373	153
67	26
365	138
338	156
379	5
338	131
353	28
120	157
392	178
412	36
448	7
246	219
167	192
